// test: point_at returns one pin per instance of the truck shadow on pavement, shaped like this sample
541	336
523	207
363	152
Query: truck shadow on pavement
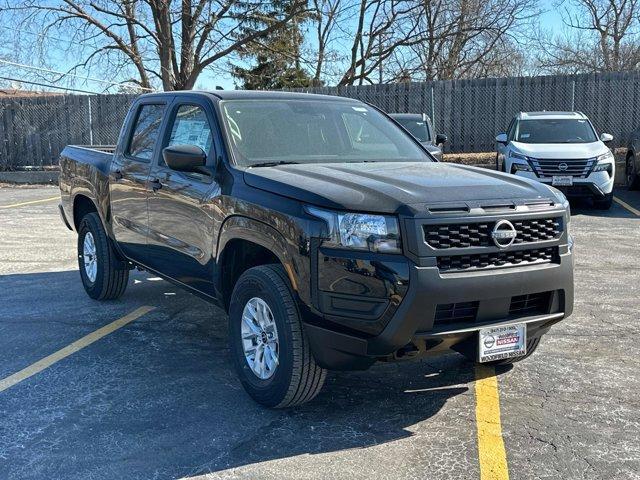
159	398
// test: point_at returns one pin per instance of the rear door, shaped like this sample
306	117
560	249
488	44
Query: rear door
180	218
130	168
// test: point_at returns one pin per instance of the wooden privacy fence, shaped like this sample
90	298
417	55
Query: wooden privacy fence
33	131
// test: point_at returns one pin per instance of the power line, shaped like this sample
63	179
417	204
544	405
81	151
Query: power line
57	39
40	69
47	86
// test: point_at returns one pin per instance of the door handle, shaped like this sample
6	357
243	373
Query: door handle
117	175
155	184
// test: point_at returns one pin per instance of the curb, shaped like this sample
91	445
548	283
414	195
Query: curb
30	177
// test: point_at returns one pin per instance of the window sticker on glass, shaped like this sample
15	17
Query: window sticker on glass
191	127
360	109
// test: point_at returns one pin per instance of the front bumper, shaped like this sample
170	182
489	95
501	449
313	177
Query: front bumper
412	327
597	184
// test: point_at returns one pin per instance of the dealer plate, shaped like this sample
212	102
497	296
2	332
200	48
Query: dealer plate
498	343
562	180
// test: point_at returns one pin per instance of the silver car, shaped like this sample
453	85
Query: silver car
419	125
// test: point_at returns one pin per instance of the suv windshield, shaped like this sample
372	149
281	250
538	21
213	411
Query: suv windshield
417	128
554	131
269	132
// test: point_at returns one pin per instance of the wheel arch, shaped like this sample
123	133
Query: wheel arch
82	205
244	243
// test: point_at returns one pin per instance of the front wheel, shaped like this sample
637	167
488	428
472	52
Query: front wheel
269	346
633	180
605	203
103	275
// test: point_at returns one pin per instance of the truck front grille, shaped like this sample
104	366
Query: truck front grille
467	235
544	167
530	304
497	259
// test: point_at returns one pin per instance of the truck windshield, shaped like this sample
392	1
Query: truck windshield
554	131
269	132
417	128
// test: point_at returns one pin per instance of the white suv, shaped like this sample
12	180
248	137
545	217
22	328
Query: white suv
561	149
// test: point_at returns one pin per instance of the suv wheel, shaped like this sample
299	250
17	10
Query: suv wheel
605	203
268	343
104	277
633	182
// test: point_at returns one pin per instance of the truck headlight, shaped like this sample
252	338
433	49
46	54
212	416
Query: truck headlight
564	201
361	231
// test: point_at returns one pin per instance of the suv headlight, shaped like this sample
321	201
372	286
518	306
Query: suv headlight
361	231
517	156
604	163
519	166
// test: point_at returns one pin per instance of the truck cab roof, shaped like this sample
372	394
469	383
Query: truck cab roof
255	95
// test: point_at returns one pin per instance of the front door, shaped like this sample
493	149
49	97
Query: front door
129	176
180	218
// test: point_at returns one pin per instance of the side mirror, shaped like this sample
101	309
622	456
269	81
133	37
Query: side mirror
502	138
185	158
441	139
606	137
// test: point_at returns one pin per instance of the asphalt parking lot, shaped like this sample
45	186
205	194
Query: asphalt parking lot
158	398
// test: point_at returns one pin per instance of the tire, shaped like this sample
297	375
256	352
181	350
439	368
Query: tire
604	204
296	378
106	277
632	178
532	345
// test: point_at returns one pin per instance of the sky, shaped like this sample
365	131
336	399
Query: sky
550	20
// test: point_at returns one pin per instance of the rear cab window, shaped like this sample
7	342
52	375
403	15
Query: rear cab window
145	131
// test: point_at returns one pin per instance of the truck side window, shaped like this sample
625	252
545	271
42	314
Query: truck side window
145	131
191	127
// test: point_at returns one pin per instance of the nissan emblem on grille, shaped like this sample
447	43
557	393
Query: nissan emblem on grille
504	234
563	166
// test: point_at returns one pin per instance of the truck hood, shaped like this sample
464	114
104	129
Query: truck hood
560	151
392	187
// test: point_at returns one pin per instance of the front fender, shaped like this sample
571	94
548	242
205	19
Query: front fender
260	233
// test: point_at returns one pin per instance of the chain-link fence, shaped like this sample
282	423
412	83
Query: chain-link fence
34	129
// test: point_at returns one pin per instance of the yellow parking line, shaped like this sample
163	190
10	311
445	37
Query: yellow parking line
491	451
30	203
46	362
623	204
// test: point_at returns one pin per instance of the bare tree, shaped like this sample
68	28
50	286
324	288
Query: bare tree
381	27
170	41
601	35
324	19
466	38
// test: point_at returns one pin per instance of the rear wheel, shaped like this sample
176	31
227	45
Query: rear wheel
532	345
269	346
104	276
633	181
605	203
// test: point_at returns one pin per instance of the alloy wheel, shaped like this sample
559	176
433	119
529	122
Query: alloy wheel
260	338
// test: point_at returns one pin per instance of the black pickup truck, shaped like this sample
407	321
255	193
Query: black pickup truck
328	233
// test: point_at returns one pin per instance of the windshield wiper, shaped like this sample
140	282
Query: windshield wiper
274	164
